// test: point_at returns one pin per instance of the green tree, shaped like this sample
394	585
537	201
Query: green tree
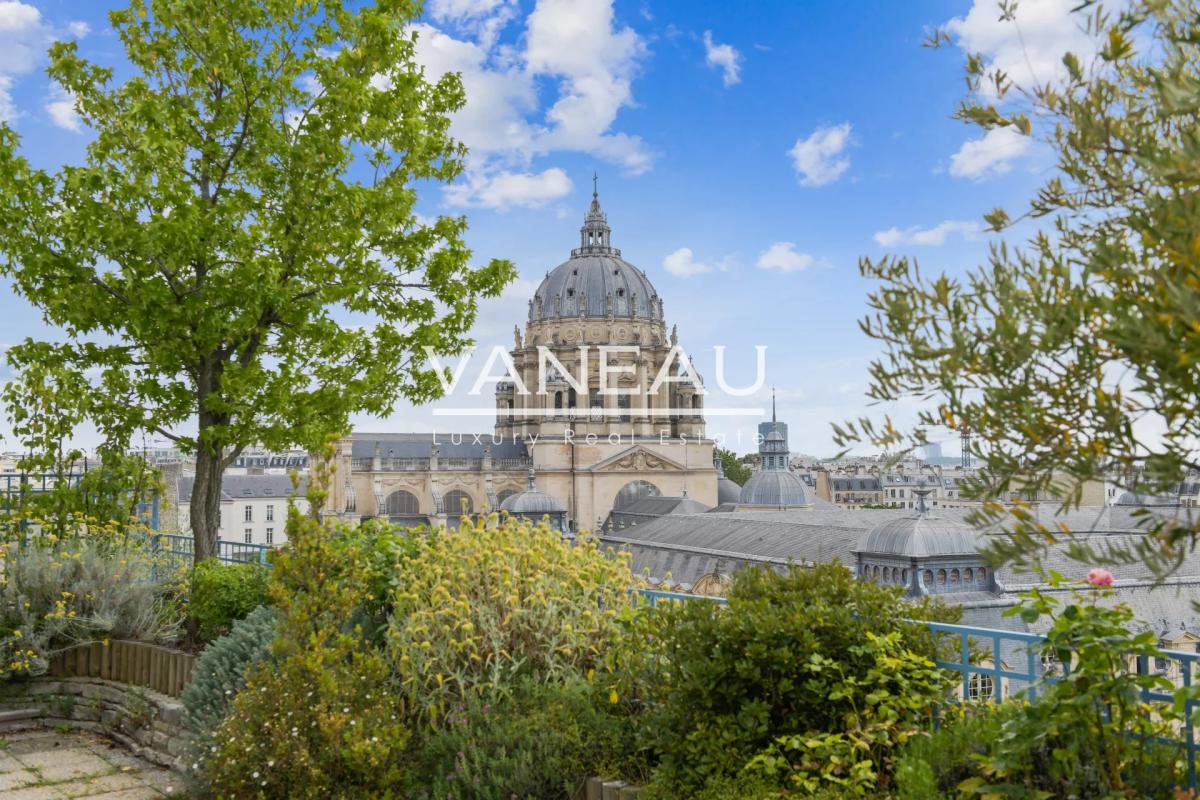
239	250
735	469
1056	354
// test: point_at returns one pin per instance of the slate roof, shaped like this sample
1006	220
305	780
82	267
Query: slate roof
689	546
420	445
234	487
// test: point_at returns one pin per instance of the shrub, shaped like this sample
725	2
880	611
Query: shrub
793	656
540	742
478	609
221	594
61	593
324	719
1091	735
220	673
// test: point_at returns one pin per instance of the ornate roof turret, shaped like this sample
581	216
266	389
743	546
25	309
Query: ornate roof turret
774	484
595	236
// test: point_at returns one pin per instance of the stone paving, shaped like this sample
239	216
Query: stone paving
47	765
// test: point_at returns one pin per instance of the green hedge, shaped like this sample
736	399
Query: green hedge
221	594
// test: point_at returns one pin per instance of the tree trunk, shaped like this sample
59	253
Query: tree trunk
205	511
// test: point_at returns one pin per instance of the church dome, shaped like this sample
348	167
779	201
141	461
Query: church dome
595	281
920	535
773	487
531	502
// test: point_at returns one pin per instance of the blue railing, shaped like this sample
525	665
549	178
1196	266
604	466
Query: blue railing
990	659
179	549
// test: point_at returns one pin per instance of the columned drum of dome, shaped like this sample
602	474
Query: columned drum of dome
924	554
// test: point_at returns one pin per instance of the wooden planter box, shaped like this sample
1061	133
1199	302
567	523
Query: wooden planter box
161	669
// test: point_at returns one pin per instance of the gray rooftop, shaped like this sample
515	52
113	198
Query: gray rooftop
234	487
920	535
420	445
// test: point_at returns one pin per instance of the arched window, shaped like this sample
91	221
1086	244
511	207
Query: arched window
633	491
968	575
402	504
623	405
571	398
981	687
954	577
504	495
927	577
904	577
875	573
941	577
982	577
558	401
457	502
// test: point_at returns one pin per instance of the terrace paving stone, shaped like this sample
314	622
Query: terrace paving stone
47	765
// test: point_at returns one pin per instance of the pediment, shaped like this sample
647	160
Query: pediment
637	459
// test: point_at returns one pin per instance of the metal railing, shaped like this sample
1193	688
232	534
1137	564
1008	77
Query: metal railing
180	549
995	664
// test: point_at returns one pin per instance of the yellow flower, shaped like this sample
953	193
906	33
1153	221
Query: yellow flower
612	697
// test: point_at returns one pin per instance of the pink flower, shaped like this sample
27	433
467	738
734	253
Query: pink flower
1100	577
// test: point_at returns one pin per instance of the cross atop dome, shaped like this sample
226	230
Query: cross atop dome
595	236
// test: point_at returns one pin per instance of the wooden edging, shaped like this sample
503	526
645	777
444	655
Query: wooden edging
162	669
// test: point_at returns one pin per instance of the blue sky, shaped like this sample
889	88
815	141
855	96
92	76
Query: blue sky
748	155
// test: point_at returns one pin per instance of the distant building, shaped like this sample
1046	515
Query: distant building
254	508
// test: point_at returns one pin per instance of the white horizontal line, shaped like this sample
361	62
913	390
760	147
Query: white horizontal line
599	412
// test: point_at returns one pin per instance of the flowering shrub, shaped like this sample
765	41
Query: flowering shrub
477	609
813	655
59	593
324	719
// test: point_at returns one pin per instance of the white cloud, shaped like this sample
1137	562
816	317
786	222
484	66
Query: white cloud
818	159
498	97
1030	47
990	154
23	37
723	57
933	237
559	90
79	29
576	42
60	105
682	263
503	190
483	19
783	257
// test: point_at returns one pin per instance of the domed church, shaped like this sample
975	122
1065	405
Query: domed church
593	451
